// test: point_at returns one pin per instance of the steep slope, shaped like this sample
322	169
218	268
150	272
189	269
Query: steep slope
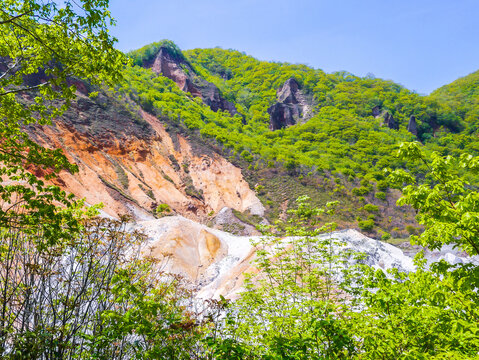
128	161
290	130
462	97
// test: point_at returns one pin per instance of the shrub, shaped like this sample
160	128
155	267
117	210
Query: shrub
163	209
259	189
360	191
380	195
371	208
411	230
366	225
385	236
365	182
245	154
382	185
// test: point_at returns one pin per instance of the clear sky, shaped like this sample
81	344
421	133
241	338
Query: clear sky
421	44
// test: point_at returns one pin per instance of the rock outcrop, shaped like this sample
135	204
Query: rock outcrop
282	115
390	122
210	94
292	106
176	68
214	260
131	163
412	125
388	119
226	220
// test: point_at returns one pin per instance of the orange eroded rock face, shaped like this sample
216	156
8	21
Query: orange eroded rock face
132	165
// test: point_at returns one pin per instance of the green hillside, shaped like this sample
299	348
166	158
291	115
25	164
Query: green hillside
462	97
340	150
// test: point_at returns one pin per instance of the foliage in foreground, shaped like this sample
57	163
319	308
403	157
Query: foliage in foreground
299	308
43	49
293	306
70	288
73	289
94	297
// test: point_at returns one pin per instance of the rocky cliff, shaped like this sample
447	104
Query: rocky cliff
291	107
176	68
131	163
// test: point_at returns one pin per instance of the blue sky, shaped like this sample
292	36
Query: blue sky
421	44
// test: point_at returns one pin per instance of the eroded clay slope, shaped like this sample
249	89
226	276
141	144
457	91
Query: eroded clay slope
128	161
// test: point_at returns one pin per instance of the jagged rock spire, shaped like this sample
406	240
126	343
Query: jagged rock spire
412	125
291	107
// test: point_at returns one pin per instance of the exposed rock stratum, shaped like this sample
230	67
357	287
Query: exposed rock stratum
128	161
292	106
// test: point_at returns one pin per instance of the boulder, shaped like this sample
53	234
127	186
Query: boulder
376	111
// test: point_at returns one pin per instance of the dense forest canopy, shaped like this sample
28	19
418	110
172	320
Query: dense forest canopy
341	137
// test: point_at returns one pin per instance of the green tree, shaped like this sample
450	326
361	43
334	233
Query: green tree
430	313
447	202
295	303
44	49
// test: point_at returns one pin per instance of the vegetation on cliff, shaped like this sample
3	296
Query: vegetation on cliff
73	287
340	150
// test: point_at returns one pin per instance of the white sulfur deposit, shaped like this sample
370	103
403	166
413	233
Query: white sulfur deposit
217	261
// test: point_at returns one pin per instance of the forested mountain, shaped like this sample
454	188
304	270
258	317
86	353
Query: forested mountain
462	97
283	155
268	131
295	130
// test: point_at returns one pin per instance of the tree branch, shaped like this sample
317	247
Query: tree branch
24	89
12	19
10	68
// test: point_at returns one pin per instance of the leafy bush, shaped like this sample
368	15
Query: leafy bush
360	191
382	185
411	230
371	208
366	225
385	236
247	156
163	209
380	195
